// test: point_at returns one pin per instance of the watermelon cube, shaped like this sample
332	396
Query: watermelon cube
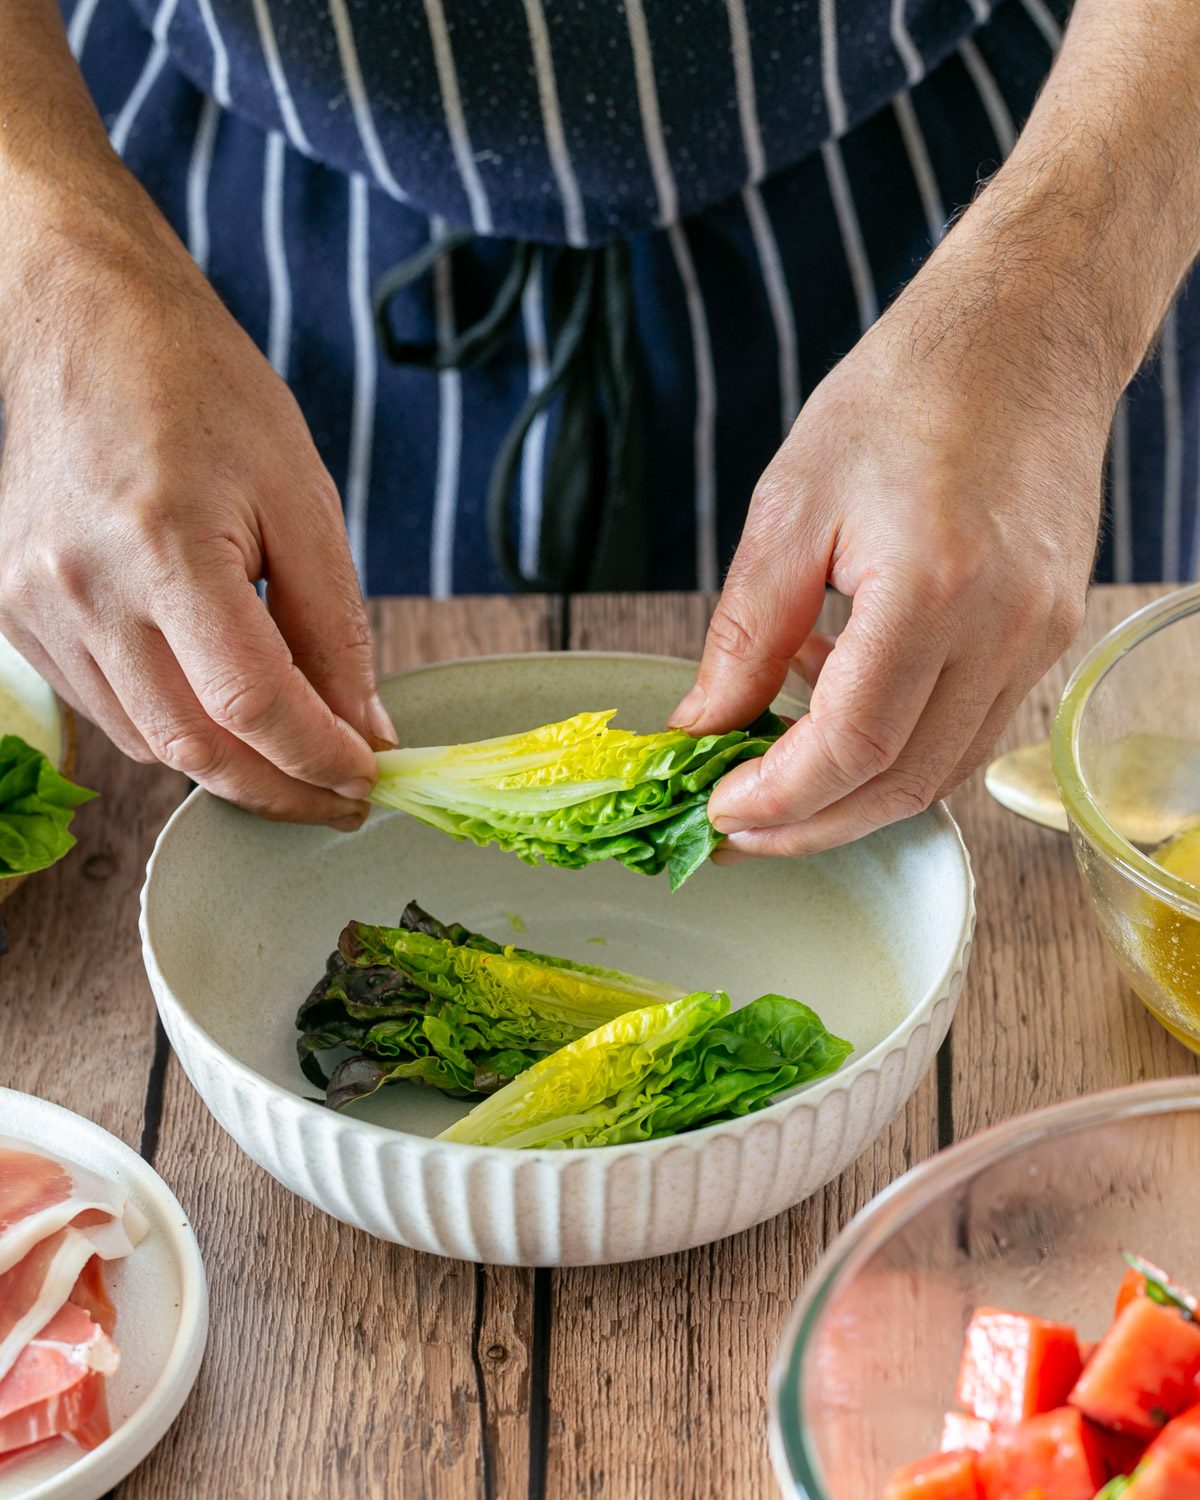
1054	1455
941	1476
1144	1371
1015	1366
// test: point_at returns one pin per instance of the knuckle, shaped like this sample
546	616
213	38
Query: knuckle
66	571
186	749
10	578
358	638
952	572
859	748
773	793
907	795
155	530
243	704
774	489
139	751
352	645
1065	622
731	633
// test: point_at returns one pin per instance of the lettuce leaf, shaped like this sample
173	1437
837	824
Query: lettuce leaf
571	793
448	1007
36	807
657	1071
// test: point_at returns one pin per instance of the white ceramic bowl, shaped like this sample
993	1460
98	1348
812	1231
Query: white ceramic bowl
238	916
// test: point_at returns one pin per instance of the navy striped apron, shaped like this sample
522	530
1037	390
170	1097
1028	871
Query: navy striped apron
756	179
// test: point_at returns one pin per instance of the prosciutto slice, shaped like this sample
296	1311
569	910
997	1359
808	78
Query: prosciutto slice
39	1195
56	1386
59	1224
90	1293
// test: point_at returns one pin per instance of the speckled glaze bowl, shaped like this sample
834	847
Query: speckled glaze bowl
239	915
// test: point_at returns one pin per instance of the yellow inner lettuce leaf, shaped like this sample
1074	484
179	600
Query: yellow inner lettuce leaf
577	791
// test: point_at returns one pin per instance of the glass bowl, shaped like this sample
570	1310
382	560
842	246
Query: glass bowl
1033	1215
1126	750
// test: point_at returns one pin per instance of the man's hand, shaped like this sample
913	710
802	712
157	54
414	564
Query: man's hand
153	468
947	474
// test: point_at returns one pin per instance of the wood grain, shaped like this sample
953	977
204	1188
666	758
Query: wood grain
76	1014
658	1370
340	1366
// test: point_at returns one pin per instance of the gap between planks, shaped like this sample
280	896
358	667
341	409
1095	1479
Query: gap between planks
448	1348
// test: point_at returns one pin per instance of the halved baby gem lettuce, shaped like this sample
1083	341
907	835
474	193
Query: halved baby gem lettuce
658	1071
575	792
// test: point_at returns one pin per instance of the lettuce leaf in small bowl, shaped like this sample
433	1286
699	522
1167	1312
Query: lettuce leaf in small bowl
658	1071
571	793
37	804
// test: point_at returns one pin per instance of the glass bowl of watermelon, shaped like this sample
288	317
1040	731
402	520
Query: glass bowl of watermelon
1013	1320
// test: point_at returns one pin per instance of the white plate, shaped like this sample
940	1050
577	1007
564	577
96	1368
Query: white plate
238	916
162	1313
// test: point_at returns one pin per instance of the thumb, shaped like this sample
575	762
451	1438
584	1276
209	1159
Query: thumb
764	615
314	597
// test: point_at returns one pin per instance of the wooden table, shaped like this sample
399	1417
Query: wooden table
342	1367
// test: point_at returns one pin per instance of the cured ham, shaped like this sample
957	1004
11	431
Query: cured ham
59	1224
90	1293
39	1195
56	1386
33	1290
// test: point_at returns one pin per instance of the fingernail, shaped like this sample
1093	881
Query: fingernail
690	708
349	824
380	725
355	791
729	825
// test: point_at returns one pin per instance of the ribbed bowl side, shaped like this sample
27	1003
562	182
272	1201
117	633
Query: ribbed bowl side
573	1209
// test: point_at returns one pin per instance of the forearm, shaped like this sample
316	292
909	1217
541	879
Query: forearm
1086	231
62	187
52	142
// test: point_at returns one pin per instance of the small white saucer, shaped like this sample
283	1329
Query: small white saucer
162	1313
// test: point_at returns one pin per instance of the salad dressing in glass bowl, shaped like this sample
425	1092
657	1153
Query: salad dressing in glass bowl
1126	751
1169	941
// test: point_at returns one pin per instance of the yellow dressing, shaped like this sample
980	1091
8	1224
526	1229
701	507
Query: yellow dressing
1169	944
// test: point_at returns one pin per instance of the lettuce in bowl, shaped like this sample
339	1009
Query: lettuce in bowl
571	793
658	1071
435	1003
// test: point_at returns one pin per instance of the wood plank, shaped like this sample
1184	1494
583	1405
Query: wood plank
340	1366
1046	1004
76	1013
658	1369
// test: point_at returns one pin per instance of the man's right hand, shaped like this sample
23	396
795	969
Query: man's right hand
153	467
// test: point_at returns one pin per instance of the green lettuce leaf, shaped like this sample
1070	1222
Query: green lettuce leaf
36	807
571	793
658	1071
439	1004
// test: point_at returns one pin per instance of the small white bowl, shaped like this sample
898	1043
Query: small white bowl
238	916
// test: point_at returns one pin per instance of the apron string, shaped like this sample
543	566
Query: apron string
593	527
